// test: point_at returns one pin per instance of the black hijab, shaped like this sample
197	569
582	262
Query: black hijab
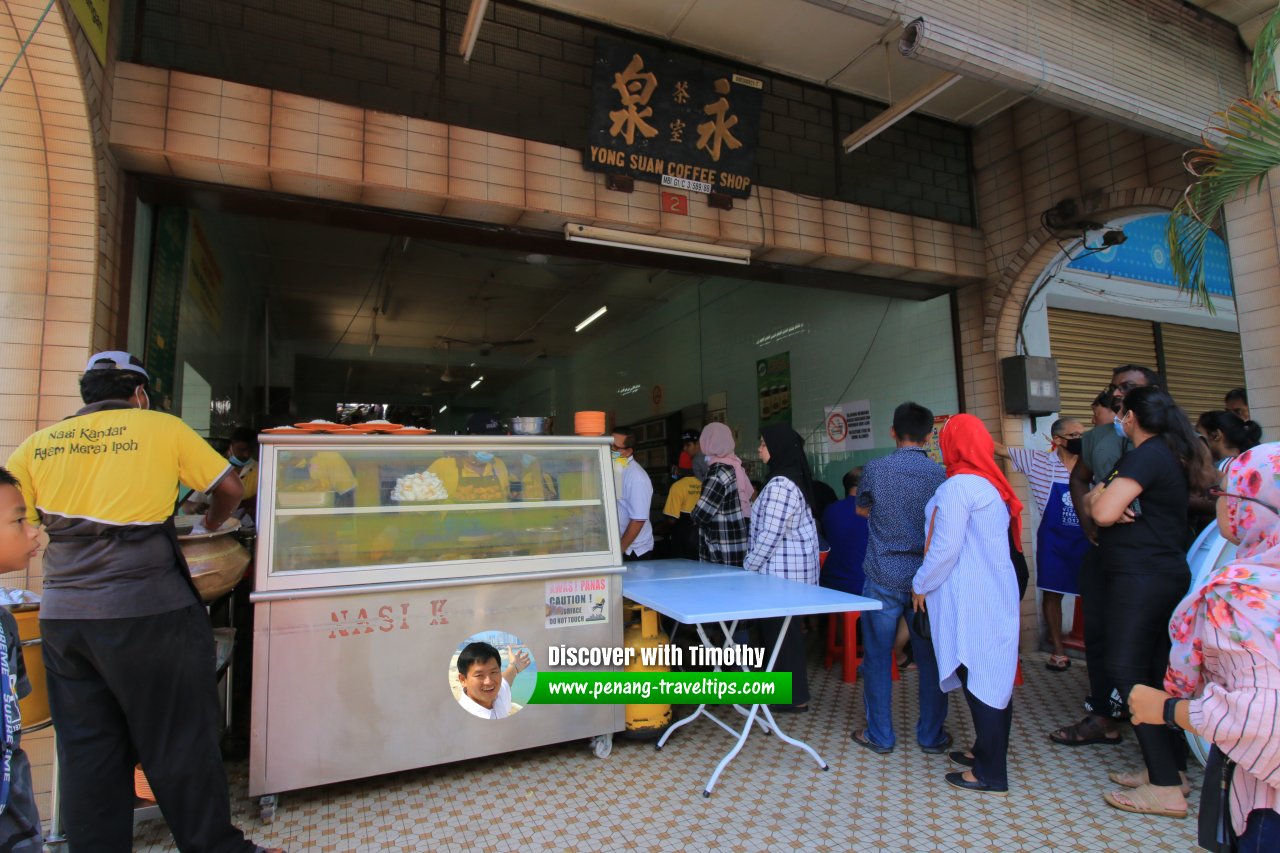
787	459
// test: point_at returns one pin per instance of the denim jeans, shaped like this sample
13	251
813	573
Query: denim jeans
1262	833
879	628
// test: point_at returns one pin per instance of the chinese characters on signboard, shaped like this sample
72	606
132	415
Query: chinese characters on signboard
673	120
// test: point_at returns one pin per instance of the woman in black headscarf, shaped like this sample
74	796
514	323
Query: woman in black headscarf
784	542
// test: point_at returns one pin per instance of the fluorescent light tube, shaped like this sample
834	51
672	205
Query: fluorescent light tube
596	316
477	382
577	233
443	409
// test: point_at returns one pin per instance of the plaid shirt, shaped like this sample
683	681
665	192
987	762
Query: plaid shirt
784	538
722	528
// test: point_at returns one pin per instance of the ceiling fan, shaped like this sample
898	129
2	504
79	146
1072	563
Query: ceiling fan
484	345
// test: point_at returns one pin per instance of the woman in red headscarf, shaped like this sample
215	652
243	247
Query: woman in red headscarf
971	590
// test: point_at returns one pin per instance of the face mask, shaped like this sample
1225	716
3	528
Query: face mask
146	400
237	461
1119	425
482	456
1074	446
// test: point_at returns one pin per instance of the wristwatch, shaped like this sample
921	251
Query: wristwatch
1170	710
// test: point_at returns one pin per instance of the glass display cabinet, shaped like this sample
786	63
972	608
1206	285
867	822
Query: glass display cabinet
380	557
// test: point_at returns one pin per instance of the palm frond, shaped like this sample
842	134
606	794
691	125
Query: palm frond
1262	78
1241	145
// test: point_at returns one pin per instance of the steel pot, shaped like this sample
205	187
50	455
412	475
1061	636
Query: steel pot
529	426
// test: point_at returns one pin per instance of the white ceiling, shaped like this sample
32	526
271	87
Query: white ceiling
814	40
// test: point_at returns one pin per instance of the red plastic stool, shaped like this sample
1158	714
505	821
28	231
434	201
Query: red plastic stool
846	650
839	649
1017	675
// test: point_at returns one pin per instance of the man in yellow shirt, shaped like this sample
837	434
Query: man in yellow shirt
127	645
682	534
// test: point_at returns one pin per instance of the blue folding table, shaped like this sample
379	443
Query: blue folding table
699	594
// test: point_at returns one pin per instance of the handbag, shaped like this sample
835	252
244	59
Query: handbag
920	618
1215	830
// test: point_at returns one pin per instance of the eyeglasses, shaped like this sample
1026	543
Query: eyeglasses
1219	493
1126	387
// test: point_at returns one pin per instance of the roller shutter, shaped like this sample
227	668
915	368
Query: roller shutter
1087	346
1201	366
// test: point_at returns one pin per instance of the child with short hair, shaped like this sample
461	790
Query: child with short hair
19	542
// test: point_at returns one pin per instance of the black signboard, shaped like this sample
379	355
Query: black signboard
672	119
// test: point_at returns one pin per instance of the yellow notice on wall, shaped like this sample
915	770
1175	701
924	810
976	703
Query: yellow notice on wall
204	276
93	15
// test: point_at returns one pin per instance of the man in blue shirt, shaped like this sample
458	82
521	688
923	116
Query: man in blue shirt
892	496
846	533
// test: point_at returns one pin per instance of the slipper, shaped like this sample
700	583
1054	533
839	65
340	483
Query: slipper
1088	731
1138	778
1058	663
1141	800
940	747
961	759
860	738
957	780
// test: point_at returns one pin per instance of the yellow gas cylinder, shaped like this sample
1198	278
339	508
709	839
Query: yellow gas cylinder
645	633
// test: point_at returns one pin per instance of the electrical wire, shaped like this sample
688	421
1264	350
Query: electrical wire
22	51
871	345
378	275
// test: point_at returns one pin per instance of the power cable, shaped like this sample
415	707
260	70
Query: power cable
378	274
22	51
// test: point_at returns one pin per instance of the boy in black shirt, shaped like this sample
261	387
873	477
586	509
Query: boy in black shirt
19	820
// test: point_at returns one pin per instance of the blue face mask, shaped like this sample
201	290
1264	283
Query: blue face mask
1116	422
482	456
237	461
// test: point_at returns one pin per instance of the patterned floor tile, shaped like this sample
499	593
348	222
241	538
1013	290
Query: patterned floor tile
770	797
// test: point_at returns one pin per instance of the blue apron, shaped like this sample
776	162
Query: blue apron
1060	544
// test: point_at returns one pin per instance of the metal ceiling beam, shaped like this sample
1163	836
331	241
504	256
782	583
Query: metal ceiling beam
899	111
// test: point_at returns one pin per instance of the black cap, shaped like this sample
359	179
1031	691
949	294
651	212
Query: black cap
484	423
689	435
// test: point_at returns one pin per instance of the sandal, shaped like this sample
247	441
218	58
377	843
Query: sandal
1058	663
1142	800
1138	778
1092	729
860	738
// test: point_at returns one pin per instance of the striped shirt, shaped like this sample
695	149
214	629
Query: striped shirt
784	538
1239	711
970	588
1042	470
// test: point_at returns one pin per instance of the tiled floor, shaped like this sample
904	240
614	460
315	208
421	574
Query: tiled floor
771	796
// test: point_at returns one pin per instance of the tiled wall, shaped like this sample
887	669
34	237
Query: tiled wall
49	228
199	128
530	77
843	347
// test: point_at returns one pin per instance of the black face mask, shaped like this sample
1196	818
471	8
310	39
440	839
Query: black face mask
1075	446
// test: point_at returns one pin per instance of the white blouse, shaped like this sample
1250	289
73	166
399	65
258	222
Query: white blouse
971	589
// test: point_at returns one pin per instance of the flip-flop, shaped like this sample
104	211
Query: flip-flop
860	738
1142	800
1139	778
1058	663
1084	733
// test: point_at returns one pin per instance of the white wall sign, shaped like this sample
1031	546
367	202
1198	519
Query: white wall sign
848	427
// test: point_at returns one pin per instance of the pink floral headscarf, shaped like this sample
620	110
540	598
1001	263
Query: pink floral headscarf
1243	597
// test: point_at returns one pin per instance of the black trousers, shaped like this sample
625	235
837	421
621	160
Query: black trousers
990	737
1093	600
1138	610
791	655
138	690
